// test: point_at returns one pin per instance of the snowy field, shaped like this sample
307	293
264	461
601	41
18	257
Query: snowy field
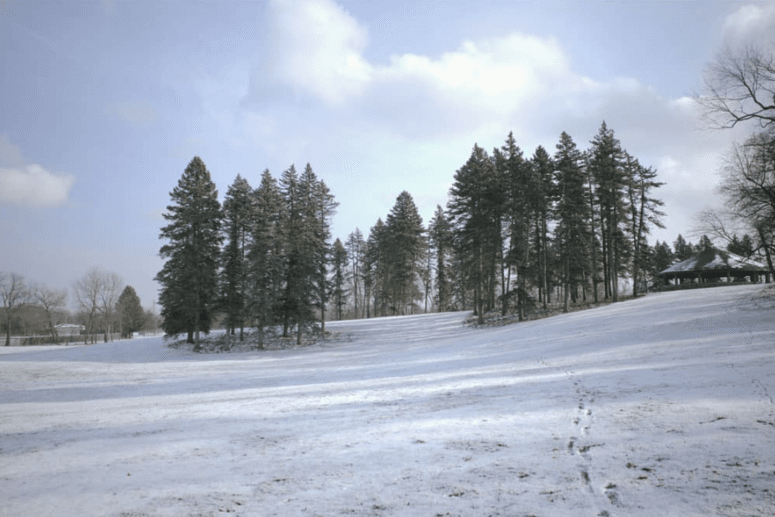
658	406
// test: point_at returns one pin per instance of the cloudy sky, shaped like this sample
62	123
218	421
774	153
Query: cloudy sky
104	104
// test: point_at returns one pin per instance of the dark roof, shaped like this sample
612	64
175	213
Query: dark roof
712	259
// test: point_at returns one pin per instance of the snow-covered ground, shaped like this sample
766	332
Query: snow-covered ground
658	406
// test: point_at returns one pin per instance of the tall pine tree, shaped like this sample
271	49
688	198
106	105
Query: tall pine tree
189	278
440	232
605	166
406	250
572	216
265	255
238	214
476	208
339	290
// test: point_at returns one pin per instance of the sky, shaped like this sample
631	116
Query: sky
104	104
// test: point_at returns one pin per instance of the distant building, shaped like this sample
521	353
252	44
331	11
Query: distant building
714	265
69	329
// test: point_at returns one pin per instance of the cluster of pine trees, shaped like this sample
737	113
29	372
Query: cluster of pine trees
261	258
516	231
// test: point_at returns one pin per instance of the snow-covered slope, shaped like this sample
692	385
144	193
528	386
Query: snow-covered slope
658	406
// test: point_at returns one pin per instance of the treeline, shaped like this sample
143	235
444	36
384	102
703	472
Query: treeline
516	231
105	306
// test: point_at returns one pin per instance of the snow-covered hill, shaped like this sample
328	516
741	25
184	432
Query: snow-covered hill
658	406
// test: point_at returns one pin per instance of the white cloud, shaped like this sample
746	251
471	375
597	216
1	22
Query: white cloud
751	24
414	118
317	48
34	186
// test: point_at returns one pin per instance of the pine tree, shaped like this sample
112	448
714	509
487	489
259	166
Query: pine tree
238	214
339	289
743	247
746	246
644	212
683	249
130	313
265	255
572	215
440	233
521	189
296	302
189	279
406	249
605	166
476	207
356	248
377	270
542	199
321	208
663	257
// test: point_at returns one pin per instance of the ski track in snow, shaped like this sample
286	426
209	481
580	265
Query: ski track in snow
656	406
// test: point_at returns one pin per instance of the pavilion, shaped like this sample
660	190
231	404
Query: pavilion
714	265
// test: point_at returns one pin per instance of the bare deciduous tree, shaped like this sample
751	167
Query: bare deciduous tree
15	295
111	285
739	87
749	188
87	291
53	302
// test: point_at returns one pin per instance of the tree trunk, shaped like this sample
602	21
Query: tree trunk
766	247
567	283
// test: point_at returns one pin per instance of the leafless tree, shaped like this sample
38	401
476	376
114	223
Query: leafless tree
111	285
15	295
87	293
740	87
53	302
749	188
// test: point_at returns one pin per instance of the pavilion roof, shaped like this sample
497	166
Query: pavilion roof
712	259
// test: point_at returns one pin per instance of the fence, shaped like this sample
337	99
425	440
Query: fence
63	340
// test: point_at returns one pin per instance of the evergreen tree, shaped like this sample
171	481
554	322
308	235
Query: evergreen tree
605	166
743	247
356	248
520	187
542	200
309	207
299	267
339	265
130	313
475	208
663	257
683	249
238	208
440	233
265	273
321	208
189	279
405	251
644	212
372	269
705	243
571	233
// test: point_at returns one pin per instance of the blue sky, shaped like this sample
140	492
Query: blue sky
104	104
